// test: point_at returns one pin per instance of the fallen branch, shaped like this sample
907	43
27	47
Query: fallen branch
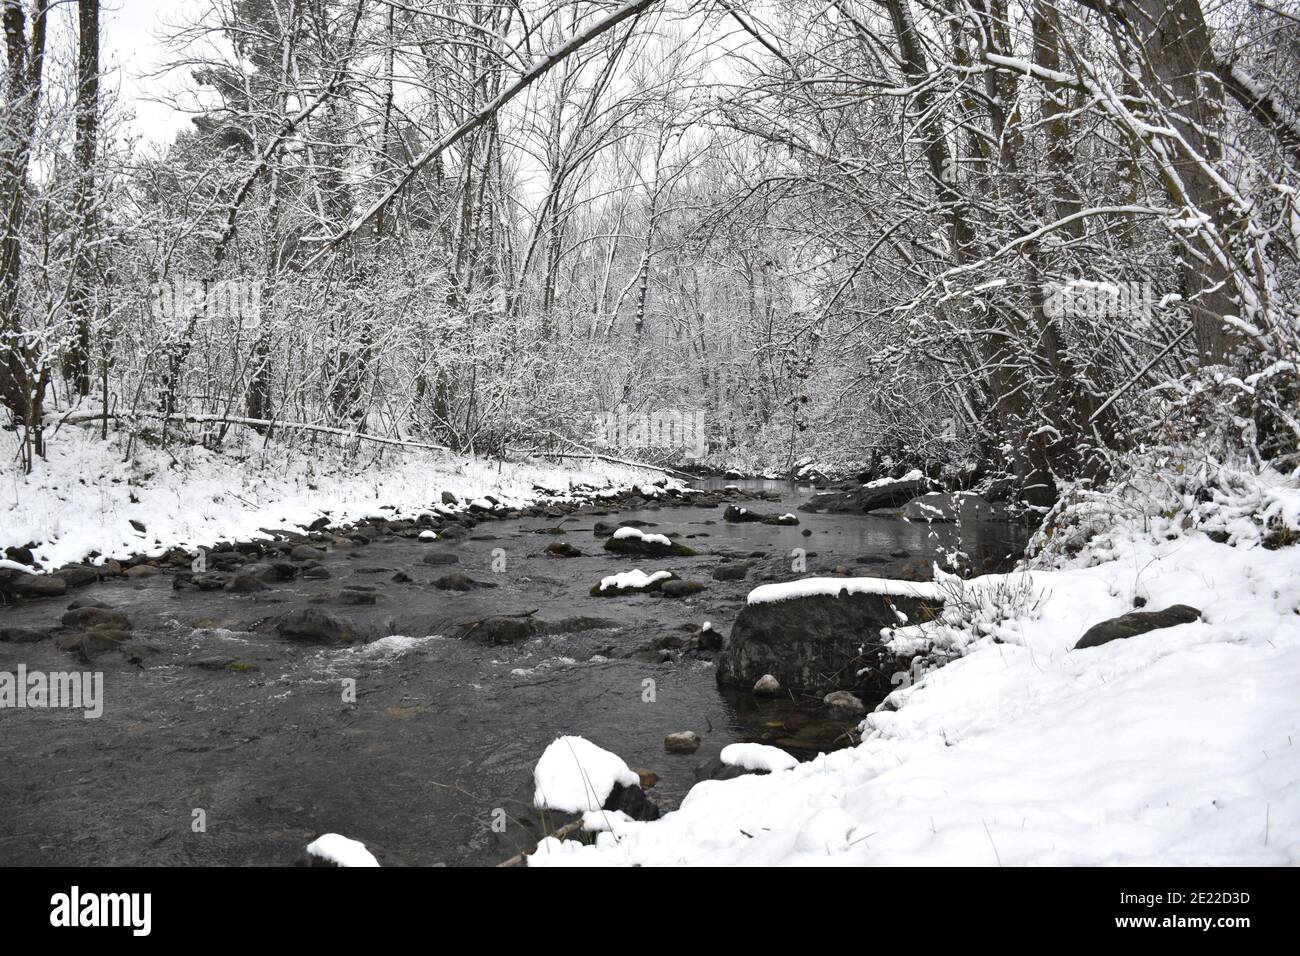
599	457
75	417
559	834
539	69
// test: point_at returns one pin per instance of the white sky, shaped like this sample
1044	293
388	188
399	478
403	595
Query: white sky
130	50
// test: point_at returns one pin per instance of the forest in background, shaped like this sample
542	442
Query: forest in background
1008	242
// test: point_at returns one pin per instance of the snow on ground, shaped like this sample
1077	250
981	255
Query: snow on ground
341	851
81	499
1176	747
574	776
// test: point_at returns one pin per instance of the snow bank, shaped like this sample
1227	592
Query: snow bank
574	776
1176	747
831	587
82	498
341	851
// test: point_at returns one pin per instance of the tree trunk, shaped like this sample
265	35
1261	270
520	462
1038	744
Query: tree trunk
80	298
1178	63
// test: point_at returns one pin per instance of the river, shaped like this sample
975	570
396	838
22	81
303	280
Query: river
230	745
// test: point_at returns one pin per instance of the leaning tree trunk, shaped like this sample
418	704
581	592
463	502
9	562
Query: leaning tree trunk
80	297
23	379
1172	42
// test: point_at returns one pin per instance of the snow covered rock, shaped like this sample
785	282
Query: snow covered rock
332	849
575	776
810	634
634	541
635	581
758	758
1137	622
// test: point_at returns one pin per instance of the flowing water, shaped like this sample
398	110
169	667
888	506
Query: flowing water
225	724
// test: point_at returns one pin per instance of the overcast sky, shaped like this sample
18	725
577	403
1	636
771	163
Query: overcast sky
131	51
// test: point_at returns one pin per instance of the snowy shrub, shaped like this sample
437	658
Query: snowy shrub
989	607
1168	492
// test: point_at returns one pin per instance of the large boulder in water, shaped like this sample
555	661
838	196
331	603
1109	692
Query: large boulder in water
37	585
499	629
628	540
316	626
818	643
96	619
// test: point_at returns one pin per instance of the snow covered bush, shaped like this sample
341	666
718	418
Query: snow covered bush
1167	492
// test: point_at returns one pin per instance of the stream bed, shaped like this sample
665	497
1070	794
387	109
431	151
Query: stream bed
225	724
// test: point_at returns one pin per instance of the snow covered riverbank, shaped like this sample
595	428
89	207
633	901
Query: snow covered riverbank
1178	746
82	499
